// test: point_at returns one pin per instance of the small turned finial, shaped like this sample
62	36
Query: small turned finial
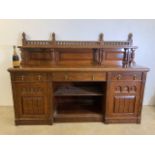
23	34
14	47
130	38
24	38
53	36
101	37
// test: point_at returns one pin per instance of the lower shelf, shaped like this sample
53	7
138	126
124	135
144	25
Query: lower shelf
78	118
78	109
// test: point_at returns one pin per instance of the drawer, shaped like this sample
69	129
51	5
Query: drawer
29	77
79	76
126	76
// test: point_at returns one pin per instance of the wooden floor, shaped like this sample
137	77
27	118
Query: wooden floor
147	126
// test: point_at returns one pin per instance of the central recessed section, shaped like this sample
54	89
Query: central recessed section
76	101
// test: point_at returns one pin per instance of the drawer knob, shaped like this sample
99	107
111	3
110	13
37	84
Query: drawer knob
135	77
119	77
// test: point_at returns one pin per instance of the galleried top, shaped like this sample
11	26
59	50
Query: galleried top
53	43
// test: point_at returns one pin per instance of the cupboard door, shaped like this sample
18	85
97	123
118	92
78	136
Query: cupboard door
123	101
32	101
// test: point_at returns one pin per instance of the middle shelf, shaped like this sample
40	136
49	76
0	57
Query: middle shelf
78	89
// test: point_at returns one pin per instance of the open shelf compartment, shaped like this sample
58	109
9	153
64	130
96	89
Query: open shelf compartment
79	101
74	108
78	89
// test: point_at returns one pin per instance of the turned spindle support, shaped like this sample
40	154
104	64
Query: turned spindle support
132	61
125	61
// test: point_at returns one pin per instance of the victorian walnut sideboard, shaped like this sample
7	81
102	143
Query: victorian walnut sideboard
61	81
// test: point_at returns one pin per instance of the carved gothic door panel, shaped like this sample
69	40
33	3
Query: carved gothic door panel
123	99
32	100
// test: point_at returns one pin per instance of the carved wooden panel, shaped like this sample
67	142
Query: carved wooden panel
32	105
32	100
112	55
37	57
75	56
41	56
124	104
124	98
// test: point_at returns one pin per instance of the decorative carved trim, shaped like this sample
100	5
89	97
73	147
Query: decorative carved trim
125	89
77	44
31	90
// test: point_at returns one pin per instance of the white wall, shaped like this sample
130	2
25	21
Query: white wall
143	31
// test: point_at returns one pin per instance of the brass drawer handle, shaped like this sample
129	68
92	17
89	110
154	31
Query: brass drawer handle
66	77
22	78
135	77
39	77
119	77
93	77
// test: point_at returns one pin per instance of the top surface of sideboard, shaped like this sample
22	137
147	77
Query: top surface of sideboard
83	68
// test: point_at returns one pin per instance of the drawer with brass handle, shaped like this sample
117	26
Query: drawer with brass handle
29	77
79	76
126	76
